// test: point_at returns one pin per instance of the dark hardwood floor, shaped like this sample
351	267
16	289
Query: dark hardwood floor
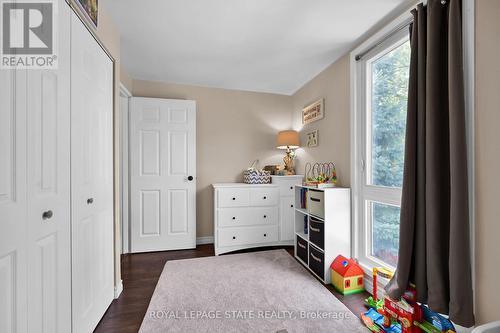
140	273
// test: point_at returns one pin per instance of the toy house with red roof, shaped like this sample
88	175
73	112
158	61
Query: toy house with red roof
347	276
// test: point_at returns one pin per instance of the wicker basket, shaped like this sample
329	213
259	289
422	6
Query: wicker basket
256	177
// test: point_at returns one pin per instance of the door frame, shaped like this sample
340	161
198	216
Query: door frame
124	169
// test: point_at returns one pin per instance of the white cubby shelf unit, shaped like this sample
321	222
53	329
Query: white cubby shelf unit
322	227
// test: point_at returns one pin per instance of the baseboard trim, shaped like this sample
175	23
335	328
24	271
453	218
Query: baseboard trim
118	289
204	240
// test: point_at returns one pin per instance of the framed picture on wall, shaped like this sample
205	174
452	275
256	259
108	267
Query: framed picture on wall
312	139
90	10
313	112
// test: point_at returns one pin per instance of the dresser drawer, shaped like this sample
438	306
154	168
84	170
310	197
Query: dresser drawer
317	261
287	184
233	197
287	189
235	217
264	196
247	235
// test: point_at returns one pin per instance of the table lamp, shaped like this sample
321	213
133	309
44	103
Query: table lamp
288	140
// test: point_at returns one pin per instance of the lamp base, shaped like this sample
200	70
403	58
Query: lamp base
288	160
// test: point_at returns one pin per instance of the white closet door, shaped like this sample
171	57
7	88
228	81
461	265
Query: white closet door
34	179
48	183
92	179
162	174
13	215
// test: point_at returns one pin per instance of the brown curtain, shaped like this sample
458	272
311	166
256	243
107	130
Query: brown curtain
434	249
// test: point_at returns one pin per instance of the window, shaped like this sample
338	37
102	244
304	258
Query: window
381	102
360	281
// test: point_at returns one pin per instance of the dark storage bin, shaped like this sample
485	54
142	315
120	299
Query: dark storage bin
317	232
317	261
301	249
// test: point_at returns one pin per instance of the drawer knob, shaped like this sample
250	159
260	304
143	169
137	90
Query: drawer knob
234	198
265	198
234	237
47	215
234	218
291	187
291	206
265	235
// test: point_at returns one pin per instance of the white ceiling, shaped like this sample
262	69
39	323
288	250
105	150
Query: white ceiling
258	45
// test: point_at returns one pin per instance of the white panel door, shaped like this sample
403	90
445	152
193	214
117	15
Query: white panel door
13	213
92	179
48	190
162	174
34	195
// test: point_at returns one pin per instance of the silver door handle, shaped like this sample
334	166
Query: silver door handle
47	215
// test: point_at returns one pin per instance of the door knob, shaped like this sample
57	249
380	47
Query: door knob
190	178
90	201
47	215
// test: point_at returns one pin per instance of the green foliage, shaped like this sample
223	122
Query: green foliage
390	74
389	103
385	233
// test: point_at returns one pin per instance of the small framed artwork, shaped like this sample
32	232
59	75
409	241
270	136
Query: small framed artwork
313	112
89	9
312	139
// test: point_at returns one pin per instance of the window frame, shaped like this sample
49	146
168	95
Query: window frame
375	36
389	38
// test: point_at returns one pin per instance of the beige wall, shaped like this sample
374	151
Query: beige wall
233	129
125	79
487	160
333	84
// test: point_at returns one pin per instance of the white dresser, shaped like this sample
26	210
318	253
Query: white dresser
247	216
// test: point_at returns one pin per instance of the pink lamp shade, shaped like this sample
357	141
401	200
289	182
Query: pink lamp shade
288	139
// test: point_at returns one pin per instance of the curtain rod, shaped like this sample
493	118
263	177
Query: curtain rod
402	26
398	29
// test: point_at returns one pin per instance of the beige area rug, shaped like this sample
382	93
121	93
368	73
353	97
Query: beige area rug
252	292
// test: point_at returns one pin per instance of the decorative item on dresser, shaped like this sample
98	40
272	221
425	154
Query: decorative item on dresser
327	215
253	215
288	140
